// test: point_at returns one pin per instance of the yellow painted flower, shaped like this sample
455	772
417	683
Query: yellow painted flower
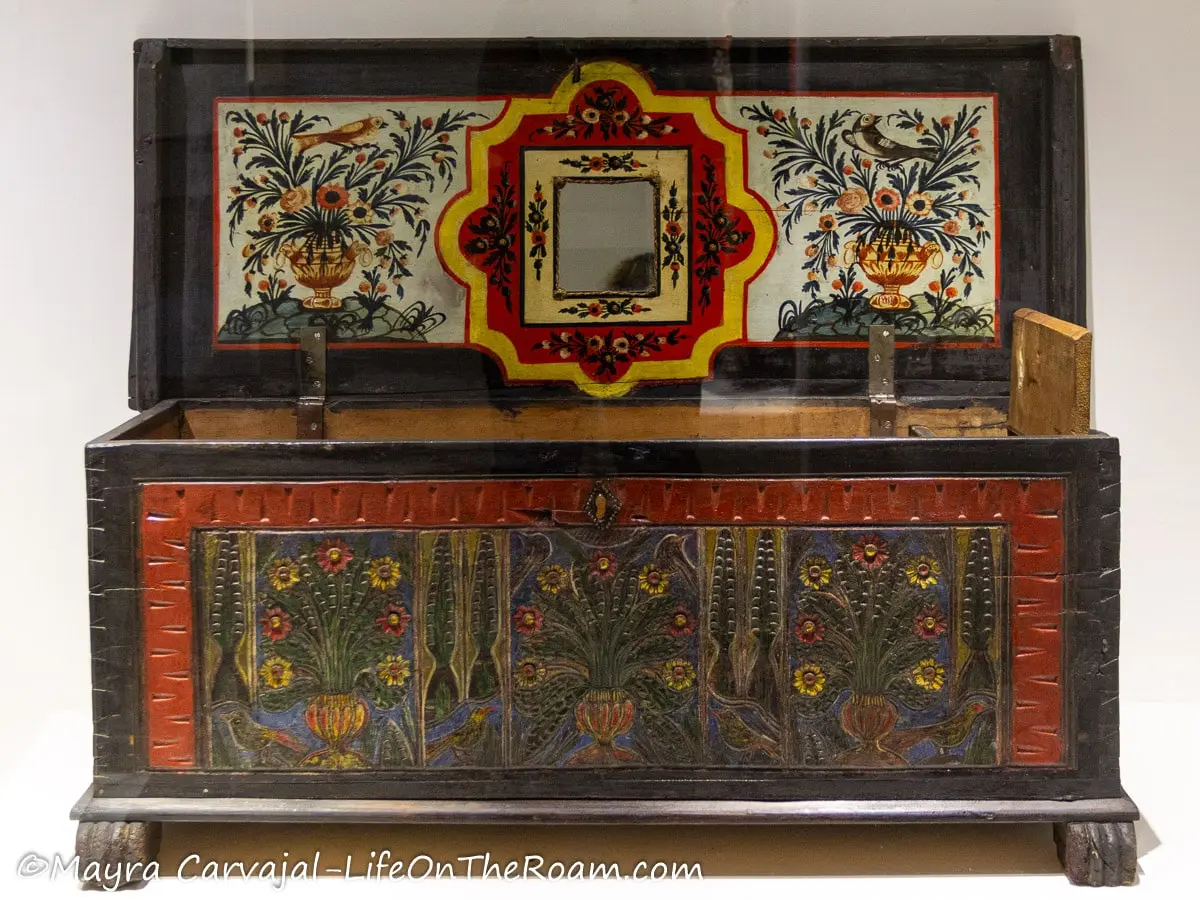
529	672
679	674
920	205
552	579
809	680
815	573
276	672
393	670
929	675
283	574
653	580
923	571
383	573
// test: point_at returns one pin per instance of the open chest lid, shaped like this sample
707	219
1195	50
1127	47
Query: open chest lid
515	219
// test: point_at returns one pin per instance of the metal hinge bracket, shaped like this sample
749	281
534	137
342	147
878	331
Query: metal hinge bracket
310	407
881	380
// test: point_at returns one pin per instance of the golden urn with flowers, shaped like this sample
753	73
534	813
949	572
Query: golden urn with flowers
604	715
336	718
323	262
893	258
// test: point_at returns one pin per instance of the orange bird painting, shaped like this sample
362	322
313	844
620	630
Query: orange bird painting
351	133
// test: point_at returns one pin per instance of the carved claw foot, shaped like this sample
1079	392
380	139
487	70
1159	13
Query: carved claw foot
1097	854
116	854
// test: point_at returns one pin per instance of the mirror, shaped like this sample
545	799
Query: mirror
607	238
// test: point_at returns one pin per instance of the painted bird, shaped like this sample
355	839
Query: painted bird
259	739
867	137
351	133
741	737
949	733
462	739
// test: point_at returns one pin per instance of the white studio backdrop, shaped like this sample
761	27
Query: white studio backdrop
66	246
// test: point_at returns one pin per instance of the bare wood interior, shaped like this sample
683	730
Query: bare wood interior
1051	375
575	421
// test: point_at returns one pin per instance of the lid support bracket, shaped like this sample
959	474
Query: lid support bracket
881	380
310	405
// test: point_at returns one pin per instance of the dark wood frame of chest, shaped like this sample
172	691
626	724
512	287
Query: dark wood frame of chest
758	541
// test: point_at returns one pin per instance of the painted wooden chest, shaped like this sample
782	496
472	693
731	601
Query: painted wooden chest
541	431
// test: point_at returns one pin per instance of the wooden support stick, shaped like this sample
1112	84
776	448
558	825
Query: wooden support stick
1051	376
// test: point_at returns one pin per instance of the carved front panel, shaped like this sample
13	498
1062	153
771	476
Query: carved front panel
633	623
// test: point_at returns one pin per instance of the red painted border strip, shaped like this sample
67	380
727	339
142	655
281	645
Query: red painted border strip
1033	509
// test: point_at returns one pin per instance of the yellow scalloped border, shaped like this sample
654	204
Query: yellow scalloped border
480	142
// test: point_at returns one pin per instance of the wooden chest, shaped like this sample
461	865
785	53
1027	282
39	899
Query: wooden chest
625	431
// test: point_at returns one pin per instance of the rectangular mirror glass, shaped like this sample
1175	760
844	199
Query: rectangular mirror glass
606	241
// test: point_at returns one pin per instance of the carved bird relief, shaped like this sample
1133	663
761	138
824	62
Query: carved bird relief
464	739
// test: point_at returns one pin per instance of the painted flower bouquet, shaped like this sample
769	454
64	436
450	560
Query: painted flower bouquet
604	644
334	633
885	213
869	630
322	204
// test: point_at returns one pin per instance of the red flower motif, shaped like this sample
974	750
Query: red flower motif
779	115
527	619
261	118
870	552
809	629
930	623
332	196
276	623
604	564
238	132
333	555
360	157
674	229
394	619
537	237
763	130
947	121
283	117
681	622
427	122
886	198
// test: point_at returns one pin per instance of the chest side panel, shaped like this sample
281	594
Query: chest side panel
737	623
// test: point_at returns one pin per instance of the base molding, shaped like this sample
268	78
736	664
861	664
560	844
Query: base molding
529	812
1096	841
